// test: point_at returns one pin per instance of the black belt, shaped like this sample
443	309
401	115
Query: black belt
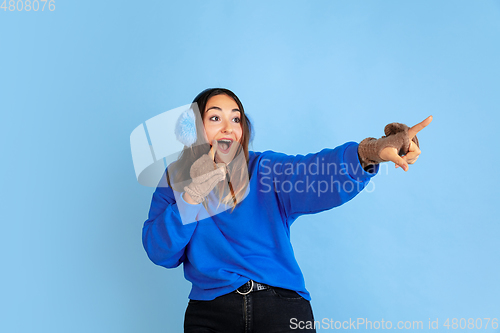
250	286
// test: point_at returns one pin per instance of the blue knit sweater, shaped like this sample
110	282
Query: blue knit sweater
222	252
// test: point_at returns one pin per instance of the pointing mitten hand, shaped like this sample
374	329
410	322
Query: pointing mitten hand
397	137
205	175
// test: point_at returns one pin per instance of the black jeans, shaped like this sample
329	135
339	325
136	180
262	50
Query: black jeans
267	311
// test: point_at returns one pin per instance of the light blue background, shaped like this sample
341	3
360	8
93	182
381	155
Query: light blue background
75	82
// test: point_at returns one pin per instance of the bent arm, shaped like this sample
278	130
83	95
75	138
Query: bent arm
164	235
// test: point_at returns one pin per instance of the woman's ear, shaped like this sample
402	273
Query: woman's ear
251	128
185	128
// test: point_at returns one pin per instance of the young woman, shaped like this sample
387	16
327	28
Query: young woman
225	213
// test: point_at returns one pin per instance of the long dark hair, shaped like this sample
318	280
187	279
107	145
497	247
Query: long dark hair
238	172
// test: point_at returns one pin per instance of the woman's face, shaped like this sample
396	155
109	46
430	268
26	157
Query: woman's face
222	121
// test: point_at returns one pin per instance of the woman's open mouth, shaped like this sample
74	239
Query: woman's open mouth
224	145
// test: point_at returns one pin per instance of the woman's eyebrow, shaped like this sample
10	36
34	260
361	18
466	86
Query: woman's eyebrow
218	108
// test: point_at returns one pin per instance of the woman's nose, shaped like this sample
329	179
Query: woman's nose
226	127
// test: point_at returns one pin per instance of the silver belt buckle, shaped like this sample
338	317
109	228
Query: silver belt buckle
248	292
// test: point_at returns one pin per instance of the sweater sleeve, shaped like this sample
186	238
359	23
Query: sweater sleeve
169	227
315	182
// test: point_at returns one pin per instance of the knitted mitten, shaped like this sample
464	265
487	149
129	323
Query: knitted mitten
396	137
205	174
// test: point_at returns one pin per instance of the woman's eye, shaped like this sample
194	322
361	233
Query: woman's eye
214	118
237	120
